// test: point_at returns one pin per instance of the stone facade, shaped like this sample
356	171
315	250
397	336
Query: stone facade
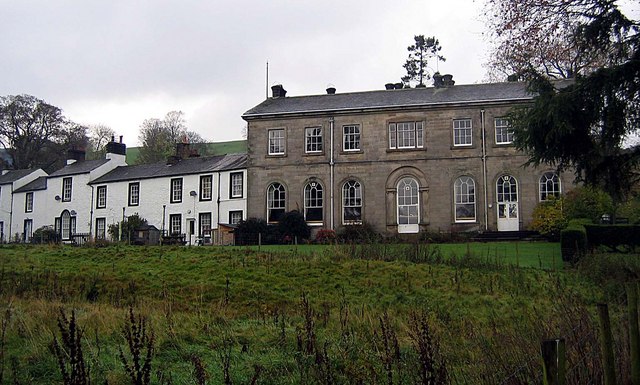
378	168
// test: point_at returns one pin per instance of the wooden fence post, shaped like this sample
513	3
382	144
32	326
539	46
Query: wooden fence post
553	362
634	332
606	345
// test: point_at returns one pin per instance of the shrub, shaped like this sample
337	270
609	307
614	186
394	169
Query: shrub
325	236
573	242
361	233
45	234
129	227
549	219
292	225
613	236
584	202
247	232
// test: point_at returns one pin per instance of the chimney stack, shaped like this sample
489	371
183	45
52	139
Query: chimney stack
448	80
278	91
75	155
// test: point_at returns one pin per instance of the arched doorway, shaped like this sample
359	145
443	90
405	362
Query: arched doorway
507	203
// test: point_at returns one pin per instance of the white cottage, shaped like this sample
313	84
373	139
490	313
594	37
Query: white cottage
10	181
185	197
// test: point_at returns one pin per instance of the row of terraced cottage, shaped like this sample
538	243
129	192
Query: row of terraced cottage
405	161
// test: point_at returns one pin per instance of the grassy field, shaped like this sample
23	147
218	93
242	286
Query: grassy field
294	314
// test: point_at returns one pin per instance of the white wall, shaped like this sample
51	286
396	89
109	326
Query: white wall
155	201
9	206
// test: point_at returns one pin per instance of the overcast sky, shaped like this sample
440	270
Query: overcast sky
120	62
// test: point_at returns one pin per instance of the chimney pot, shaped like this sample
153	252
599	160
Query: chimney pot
120	138
437	80
398	86
448	80
331	90
389	86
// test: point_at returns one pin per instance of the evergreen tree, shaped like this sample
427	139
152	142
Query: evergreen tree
419	54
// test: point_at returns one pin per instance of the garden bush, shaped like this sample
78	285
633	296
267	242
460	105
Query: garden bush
615	237
45	234
360	233
573	242
292	226
549	219
584	202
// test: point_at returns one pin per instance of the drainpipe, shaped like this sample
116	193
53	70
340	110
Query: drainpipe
484	173
91	216
218	211
331	171
10	215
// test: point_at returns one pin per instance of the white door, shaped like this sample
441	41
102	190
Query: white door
507	194
408	206
191	232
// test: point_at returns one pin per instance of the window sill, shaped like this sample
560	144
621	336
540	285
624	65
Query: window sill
349	152
498	145
276	156
313	153
391	150
465	147
315	224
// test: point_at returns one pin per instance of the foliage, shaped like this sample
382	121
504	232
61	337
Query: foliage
99	136
140	343
615	237
360	233
160	136
292	225
573	242
36	134
548	218
485	321
585	202
129	227
420	52
68	351
583	125
45	234
539	36
631	209
325	236
255	230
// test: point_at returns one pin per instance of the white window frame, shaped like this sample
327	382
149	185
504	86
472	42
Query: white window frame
204	222
67	189
175	224
276	203
206	187
176	190
351	137
101	197
464	193
313	140
28	202
101	228
313	200
236	184
134	194
408	200
351	201
277	142
504	134
462	132
546	181
235	217
406	135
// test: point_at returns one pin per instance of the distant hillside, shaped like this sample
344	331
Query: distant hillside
218	148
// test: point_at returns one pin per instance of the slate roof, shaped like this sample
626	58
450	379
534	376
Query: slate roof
14	175
80	167
391	99
39	183
183	167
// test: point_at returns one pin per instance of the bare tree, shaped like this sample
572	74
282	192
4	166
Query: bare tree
99	136
540	36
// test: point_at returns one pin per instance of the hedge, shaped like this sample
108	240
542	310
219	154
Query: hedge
614	236
573	242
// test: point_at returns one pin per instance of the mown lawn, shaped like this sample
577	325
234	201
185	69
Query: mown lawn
246	307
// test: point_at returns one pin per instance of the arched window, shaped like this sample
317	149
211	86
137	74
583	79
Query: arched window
313	202
276	202
408	205
549	186
351	202
465	199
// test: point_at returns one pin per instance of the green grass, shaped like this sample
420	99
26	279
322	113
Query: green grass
201	299
544	255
